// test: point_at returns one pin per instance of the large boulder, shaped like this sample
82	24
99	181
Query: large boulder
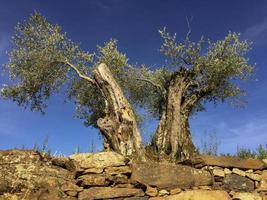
169	176
197	195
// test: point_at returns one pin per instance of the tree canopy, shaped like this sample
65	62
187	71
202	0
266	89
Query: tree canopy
44	61
211	71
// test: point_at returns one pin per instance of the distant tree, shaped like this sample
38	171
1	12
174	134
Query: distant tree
43	61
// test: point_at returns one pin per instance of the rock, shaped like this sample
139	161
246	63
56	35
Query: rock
72	193
249	171
226	162
92	180
126	185
25	170
71	189
91	171
151	191
265	161
7	196
99	160
239	172
109	192
118	179
218	172
234	182
136	198
175	191
246	196
232	193
65	163
169	176
205	187
227	171
254	177
118	170
163	193
197	195
263	182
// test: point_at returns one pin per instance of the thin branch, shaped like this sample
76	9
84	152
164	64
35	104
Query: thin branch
152	83
189	27
79	73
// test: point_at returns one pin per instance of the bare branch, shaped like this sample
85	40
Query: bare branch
154	84
189	27
79	73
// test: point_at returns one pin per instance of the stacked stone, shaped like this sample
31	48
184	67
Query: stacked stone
241	178
107	175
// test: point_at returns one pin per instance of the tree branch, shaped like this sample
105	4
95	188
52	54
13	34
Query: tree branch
194	98
79	73
152	83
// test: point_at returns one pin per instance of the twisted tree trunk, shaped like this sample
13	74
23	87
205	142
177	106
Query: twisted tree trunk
172	136
119	126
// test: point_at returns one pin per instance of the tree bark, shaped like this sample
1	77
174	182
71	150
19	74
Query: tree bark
173	136
119	125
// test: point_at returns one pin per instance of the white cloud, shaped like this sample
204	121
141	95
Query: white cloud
250	132
242	131
257	33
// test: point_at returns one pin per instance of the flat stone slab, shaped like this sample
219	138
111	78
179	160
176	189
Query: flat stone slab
227	162
169	176
197	195
109	192
99	160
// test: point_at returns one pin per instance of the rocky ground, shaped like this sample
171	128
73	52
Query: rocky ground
29	175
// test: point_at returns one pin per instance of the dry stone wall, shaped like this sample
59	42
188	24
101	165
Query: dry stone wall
107	175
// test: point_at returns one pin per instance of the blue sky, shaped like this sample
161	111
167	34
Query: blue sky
135	23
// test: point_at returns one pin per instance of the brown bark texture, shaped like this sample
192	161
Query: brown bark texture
119	126
173	136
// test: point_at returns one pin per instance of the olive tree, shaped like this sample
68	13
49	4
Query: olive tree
44	61
196	73
106	88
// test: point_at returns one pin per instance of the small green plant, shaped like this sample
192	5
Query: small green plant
259	153
92	147
262	152
77	150
44	147
245	153
209	144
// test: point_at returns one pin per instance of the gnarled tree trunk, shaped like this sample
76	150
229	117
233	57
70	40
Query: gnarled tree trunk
119	126
172	136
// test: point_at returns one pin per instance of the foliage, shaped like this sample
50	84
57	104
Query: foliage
37	62
245	153
259	153
145	88
44	61
43	149
210	71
